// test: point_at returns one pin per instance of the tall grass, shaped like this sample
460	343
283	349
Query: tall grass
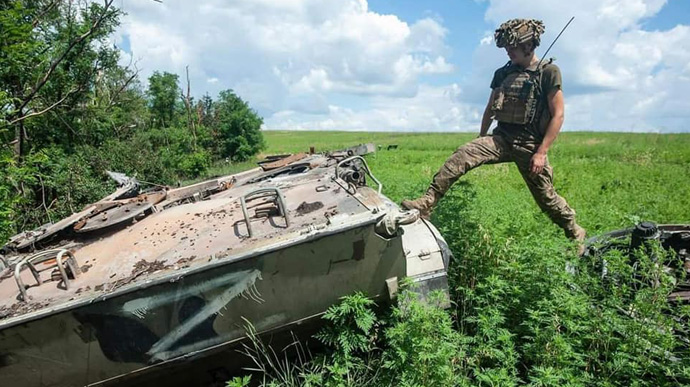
518	317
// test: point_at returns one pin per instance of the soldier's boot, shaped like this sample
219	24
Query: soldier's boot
575	232
424	204
471	155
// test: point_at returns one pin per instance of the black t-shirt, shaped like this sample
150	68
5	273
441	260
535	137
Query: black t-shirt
550	81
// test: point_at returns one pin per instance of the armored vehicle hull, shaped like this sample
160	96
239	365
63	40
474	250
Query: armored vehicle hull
121	290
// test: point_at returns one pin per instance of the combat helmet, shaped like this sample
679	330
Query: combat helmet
517	31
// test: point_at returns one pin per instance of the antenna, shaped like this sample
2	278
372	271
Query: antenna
554	41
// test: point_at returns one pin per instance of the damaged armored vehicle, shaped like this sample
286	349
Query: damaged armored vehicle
144	281
644	236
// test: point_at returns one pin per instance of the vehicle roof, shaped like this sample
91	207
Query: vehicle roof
177	240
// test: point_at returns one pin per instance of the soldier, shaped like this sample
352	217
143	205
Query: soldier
527	101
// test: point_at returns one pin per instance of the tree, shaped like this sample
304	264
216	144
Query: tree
238	127
62	95
49	58
163	96
204	111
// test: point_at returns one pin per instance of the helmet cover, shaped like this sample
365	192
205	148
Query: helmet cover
517	31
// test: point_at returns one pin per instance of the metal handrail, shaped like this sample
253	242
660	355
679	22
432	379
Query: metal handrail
281	205
43	256
366	169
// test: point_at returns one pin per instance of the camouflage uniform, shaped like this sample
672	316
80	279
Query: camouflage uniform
499	149
518	135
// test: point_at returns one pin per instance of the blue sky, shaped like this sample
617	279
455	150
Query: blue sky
464	20
673	13
401	65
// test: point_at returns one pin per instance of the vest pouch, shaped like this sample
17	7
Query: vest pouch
519	99
498	101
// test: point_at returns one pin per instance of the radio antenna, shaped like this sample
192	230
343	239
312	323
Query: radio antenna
554	41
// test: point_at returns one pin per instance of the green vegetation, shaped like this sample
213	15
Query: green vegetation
69	111
517	317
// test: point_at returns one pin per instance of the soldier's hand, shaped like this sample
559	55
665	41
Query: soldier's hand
537	163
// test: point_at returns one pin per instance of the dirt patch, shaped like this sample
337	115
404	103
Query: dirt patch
139	268
306	208
20	308
185	261
80	290
85	268
146	267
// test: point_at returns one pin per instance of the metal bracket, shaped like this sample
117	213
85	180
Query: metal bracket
259	193
41	257
392	286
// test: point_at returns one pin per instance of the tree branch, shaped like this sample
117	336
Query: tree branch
34	114
123	87
188	105
53	66
45	11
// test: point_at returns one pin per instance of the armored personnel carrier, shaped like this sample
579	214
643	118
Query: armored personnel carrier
145	280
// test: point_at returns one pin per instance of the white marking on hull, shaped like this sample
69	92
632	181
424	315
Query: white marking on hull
243	281
139	307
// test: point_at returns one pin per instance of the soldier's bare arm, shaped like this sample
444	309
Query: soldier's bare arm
557	109
486	118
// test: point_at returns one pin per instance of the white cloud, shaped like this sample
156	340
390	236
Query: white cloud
616	74
335	64
488	39
279	54
430	109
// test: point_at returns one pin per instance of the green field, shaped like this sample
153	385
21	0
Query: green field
517	316
611	179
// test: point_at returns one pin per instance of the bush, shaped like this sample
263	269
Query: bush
238	127
422	348
194	164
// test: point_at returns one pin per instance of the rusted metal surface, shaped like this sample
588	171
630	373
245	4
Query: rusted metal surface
283	162
273	248
30	238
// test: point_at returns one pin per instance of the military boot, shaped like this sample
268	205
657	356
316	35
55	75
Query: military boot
425	204
578	234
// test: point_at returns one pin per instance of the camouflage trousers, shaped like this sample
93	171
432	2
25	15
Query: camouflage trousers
497	149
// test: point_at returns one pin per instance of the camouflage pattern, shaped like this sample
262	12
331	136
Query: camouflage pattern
515	106
517	98
496	149
517	31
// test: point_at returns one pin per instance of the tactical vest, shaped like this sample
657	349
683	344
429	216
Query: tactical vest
518	95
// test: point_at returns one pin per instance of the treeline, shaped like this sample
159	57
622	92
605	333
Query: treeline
69	111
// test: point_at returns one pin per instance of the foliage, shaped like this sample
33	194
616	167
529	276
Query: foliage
238	126
422	348
518	317
239	381
351	325
55	60
69	111
163	95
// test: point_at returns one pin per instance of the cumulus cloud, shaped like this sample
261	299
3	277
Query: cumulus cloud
617	75
336	64
283	54
435	109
